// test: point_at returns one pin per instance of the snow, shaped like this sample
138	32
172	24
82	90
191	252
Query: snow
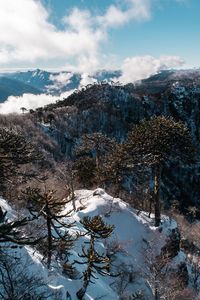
132	234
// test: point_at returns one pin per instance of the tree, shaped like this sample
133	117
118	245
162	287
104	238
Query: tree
115	166
96	229
17	281
11	231
96	145
153	142
67	173
23	109
49	207
85	170
15	150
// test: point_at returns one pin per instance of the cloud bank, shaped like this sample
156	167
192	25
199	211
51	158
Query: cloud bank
29	101
140	67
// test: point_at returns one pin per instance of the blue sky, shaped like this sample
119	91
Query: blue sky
86	35
173	28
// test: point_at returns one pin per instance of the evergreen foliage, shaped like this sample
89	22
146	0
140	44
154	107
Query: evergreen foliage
12	232
14	151
48	206
153	142
96	263
116	166
96	146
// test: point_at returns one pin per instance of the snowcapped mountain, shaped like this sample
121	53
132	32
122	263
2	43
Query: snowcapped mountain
133	248
44	82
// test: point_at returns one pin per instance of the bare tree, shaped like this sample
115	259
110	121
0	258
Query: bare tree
17	281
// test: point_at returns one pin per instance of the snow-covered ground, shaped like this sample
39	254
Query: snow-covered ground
133	244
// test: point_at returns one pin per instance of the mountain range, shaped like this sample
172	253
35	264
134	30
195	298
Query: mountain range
44	82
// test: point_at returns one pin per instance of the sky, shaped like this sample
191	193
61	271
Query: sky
87	35
138	37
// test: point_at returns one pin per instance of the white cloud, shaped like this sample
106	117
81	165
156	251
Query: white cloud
86	79
29	101
140	67
27	36
137	10
59	80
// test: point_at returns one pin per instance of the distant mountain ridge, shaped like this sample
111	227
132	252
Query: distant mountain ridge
54	83
14	87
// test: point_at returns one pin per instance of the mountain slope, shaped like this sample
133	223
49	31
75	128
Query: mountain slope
133	248
114	109
13	87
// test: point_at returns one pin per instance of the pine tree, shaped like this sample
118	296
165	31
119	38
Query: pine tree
153	142
48	206
96	263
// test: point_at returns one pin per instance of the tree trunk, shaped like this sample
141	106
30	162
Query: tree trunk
97	159
157	180
80	294
150	208
156	294
49	238
72	192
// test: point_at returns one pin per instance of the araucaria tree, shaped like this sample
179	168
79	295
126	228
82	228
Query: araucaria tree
115	167
153	142
96	263
96	145
11	231
49	207
15	150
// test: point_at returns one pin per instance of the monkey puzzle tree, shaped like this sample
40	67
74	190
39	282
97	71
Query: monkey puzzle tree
11	231
95	145
48	206
96	263
153	142
115	166
15	150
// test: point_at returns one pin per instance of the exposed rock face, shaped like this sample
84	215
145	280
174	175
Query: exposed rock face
113	110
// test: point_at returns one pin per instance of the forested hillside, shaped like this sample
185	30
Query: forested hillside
139	143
